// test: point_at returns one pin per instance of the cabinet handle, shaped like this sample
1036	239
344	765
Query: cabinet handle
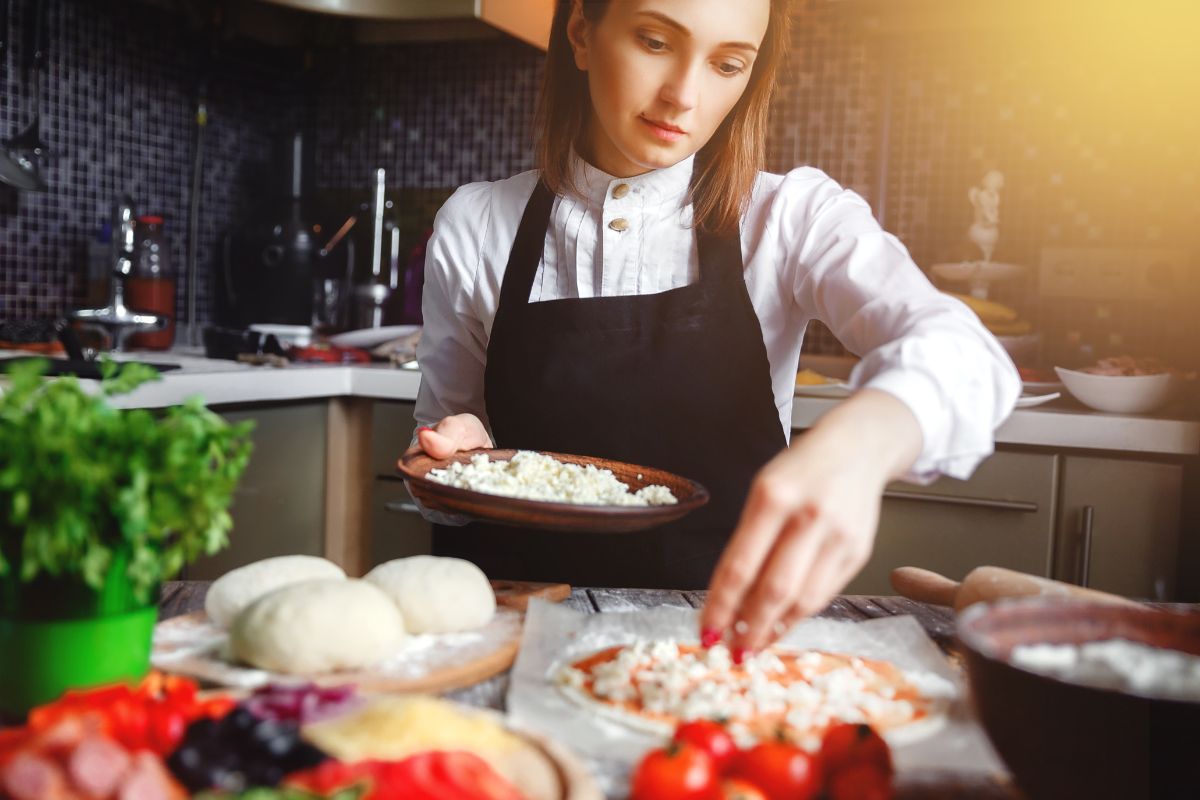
1086	518
970	502
407	508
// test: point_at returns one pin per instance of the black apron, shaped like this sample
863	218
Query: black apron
677	380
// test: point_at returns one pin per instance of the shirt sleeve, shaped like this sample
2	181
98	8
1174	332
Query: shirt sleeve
916	343
452	352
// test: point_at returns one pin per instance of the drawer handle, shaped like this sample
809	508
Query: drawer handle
1086	519
970	502
407	508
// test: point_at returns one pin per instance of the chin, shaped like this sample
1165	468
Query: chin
660	156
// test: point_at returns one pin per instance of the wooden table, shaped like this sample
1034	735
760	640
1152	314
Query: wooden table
180	597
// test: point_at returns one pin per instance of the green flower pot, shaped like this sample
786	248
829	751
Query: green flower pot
58	634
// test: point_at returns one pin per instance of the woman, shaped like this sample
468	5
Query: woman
643	296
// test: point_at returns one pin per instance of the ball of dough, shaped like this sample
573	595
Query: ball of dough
437	595
240	587
318	626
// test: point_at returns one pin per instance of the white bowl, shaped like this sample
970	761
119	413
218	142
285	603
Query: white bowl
1120	394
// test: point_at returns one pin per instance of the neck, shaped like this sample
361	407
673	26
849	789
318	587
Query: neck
605	158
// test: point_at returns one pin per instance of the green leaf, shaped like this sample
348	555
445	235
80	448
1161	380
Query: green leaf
80	480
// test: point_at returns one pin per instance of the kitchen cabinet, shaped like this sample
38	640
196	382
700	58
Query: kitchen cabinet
397	527
1004	516
279	504
1119	525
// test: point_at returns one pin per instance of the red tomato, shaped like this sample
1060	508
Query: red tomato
861	781
783	771
738	789
848	743
166	728
678	772
712	738
457	776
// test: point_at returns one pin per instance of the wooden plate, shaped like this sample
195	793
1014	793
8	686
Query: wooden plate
191	645
543	515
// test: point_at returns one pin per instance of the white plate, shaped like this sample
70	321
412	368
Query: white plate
295	335
1031	400
824	390
1041	387
369	337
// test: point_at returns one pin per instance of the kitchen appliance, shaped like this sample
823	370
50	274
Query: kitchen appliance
376	21
269	263
376	298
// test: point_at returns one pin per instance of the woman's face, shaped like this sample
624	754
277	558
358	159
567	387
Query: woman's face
663	75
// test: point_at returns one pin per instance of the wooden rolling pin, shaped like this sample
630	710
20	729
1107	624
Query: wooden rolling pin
988	583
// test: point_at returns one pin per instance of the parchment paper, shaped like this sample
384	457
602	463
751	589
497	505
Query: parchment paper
555	634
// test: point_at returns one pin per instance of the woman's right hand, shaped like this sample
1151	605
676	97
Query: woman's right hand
452	434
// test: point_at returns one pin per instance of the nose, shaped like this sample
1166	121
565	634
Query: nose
682	87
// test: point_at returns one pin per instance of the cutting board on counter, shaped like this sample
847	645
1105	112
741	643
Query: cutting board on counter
191	645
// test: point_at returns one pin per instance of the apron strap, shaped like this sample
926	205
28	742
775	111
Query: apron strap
526	253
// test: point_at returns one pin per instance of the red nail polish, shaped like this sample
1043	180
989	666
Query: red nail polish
424	428
709	637
739	655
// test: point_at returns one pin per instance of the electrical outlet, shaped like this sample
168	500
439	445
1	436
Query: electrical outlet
1111	273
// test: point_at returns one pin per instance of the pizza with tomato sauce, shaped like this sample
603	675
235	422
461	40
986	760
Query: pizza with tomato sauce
799	694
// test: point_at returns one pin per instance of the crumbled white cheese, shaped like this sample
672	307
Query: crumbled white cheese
1117	664
534	476
702	684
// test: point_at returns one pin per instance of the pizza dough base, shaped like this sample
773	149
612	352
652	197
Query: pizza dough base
934	720
437	595
318	626
240	587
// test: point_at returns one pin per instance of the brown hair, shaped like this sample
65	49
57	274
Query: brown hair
726	166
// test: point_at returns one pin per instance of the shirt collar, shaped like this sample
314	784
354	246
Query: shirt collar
666	185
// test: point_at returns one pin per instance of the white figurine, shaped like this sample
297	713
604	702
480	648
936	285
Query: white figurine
985	230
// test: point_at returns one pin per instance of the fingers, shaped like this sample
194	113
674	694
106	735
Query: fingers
452	434
832	569
765	513
800	547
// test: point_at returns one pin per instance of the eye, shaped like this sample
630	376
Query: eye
652	44
730	68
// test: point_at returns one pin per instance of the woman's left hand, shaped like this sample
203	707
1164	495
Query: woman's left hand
809	522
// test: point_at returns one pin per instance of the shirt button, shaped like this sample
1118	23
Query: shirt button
620	190
619	224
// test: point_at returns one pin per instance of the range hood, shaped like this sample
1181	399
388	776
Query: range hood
379	21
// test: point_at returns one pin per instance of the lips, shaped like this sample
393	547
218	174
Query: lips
662	132
666	126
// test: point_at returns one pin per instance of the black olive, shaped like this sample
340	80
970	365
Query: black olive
203	729
241	719
304	755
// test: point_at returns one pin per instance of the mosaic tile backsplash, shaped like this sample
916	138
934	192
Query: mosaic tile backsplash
118	113
909	118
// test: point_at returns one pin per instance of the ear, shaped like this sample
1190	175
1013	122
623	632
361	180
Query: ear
578	28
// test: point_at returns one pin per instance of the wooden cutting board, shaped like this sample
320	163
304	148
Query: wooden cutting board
191	645
517	594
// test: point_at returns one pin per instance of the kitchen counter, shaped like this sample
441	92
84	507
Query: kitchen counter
181	597
1061	424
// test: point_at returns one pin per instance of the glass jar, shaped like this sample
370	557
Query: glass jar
151	283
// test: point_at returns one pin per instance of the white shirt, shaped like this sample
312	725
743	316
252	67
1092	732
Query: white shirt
811	249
